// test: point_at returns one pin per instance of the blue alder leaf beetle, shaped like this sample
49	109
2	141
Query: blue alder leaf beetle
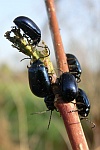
49	101
29	28
83	106
68	87
82	103
39	80
74	66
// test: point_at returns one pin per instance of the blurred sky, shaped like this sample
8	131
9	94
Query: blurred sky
79	23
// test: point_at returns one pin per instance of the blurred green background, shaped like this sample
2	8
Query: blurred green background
20	130
80	29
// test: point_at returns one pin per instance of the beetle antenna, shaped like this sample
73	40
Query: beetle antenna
25	58
49	119
42	112
93	124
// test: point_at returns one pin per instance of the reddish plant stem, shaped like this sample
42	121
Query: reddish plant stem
71	120
57	41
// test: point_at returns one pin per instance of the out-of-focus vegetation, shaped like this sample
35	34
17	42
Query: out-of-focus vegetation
18	129
21	131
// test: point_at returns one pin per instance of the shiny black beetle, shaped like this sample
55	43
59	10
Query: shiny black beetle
74	66
29	28
49	101
82	103
68	87
39	80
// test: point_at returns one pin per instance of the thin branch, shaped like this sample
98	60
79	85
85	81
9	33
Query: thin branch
57	41
71	120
